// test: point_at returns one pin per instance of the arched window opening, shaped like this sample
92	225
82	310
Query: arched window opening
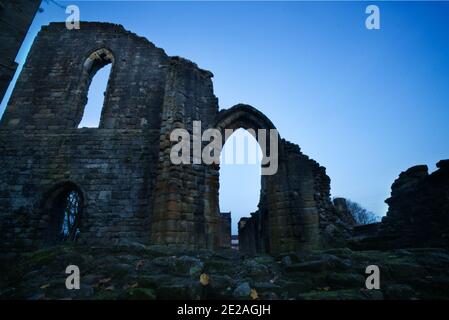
97	69
240	178
63	208
70	228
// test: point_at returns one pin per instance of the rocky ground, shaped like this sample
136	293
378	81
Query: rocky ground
135	271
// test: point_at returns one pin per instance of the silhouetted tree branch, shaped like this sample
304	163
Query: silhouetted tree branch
360	214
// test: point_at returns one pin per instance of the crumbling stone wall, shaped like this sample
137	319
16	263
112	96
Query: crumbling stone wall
418	212
15	19
185	211
295	210
249	235
114	165
130	189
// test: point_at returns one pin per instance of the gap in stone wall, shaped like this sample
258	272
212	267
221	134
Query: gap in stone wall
240	176
95	98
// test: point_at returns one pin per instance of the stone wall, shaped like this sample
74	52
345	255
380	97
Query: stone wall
249	237
114	165
295	209
186	212
225	229
15	19
418	213
130	189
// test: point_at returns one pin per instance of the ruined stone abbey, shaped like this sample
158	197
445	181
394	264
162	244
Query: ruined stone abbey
126	187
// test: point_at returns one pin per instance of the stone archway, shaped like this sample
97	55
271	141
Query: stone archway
187	212
242	116
255	237
249	118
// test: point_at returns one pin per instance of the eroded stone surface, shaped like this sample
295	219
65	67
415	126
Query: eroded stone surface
418	212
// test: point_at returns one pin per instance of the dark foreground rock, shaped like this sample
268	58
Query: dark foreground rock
135	271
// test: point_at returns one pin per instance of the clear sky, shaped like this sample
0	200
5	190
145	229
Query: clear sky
366	104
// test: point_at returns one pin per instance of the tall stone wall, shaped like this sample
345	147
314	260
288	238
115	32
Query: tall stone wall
130	189
186	213
114	165
15	19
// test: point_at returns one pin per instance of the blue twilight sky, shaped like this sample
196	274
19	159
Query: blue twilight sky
366	104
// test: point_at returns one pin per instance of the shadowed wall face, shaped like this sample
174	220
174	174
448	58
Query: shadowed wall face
114	166
417	215
15	19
